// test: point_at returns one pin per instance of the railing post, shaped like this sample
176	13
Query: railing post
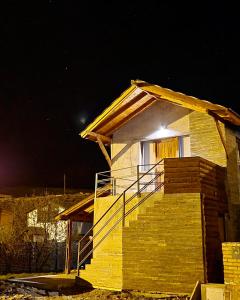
68	247
96	186
113	186
111	182
124	207
138	182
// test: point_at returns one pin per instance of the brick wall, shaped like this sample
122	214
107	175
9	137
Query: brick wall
105	270
231	262
162	249
204	138
206	143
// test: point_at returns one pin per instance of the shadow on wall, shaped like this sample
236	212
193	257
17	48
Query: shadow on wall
122	152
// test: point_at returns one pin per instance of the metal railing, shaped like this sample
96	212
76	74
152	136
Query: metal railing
153	176
120	179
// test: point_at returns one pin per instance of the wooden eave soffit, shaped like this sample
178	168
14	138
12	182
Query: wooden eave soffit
104	151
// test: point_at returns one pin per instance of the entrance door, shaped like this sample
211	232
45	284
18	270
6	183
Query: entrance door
166	148
153	152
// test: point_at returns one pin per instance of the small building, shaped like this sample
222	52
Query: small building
30	238
173	191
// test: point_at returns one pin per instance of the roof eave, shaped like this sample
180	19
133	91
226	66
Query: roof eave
102	116
159	93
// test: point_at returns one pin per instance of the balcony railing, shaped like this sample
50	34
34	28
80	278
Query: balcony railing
120	179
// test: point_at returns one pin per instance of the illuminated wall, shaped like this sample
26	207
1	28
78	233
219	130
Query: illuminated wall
161	120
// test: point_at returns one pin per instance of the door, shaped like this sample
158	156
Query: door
154	151
165	148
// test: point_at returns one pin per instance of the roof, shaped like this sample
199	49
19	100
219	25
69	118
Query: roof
81	211
141	95
82	208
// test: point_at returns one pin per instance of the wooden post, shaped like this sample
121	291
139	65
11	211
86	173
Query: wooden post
78	256
68	247
221	135
104	151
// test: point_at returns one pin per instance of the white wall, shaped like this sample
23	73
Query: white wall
162	119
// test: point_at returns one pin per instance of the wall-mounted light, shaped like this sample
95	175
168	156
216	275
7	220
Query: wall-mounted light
163	132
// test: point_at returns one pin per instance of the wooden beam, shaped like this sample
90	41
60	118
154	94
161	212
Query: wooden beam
105	139
221	135
84	217
104	151
119	110
132	114
68	259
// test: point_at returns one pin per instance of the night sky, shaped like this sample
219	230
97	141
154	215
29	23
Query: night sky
63	62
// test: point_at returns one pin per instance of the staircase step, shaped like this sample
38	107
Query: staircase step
105	269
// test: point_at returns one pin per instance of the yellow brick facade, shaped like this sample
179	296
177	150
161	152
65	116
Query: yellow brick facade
161	246
205	142
155	251
162	249
105	270
231	262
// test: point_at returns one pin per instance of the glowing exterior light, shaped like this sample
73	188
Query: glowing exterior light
163	132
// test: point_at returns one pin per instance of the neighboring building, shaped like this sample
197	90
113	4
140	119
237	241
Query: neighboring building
173	191
30	235
43	218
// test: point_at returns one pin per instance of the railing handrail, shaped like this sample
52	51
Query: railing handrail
113	170
121	195
117	211
132	167
135	182
119	220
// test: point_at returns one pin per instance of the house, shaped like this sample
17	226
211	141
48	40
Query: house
171	194
30	238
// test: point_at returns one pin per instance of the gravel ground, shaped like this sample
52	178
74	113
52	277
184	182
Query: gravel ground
20	291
